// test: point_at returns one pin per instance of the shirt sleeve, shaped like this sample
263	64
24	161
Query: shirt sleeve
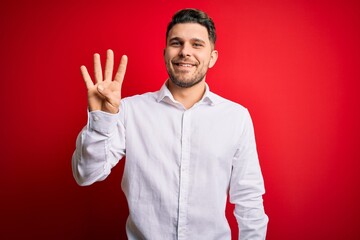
99	147
247	187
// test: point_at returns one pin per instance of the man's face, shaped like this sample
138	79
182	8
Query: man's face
188	54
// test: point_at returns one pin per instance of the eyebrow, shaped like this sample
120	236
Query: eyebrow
181	40
198	40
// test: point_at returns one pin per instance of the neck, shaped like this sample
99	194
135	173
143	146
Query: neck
187	96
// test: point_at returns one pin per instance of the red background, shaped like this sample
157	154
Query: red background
293	64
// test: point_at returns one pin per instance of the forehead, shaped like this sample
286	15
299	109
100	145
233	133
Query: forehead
187	31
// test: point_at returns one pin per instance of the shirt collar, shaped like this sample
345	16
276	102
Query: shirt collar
209	97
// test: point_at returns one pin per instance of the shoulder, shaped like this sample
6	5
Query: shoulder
229	105
140	98
140	103
232	114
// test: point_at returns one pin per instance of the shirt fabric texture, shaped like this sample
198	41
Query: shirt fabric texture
181	165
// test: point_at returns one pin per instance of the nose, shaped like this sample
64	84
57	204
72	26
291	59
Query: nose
185	50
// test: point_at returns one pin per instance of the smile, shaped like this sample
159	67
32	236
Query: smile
185	65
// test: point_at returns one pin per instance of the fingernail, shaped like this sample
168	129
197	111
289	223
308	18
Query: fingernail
100	88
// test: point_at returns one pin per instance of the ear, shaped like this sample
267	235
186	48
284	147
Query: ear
213	58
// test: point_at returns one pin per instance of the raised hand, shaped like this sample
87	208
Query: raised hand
105	94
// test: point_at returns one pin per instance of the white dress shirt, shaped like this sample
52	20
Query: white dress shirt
181	164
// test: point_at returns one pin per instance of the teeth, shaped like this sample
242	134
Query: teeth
185	65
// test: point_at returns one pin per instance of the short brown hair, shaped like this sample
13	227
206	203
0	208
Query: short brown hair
190	15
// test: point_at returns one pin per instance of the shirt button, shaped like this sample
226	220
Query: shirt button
96	118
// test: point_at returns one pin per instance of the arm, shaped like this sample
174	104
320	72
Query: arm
99	147
247	187
101	143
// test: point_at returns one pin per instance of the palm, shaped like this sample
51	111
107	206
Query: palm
105	94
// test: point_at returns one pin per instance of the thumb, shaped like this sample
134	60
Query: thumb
105	92
108	95
100	88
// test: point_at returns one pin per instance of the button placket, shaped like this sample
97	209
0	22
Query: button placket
184	174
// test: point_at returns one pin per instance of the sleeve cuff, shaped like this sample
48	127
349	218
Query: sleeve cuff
102	122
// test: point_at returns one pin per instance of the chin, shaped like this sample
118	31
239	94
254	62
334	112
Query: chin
185	83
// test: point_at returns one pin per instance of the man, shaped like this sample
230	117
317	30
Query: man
186	148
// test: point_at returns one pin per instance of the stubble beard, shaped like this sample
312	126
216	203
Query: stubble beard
186	83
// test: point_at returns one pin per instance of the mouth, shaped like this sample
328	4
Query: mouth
184	65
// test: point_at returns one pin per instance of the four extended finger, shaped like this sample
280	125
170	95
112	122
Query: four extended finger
109	65
119	77
97	68
86	77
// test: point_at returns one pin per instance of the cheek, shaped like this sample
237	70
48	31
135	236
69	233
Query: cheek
205	60
203	57
170	52
167	61
168	57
